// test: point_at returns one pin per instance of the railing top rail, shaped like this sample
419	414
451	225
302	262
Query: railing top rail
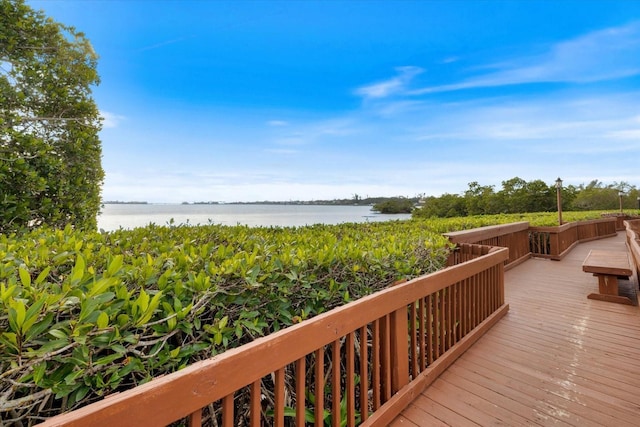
176	395
632	224
568	225
483	233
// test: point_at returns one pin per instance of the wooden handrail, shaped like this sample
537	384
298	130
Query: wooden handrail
514	236
383	339
555	242
633	241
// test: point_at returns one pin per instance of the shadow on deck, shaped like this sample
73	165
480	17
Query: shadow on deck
557	358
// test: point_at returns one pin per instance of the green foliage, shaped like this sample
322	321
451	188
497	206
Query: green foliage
50	167
394	206
87	314
520	196
596	195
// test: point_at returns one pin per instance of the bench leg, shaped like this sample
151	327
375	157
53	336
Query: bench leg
611	298
607	285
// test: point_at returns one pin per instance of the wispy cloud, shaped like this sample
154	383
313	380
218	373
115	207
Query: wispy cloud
393	86
281	151
277	123
165	43
601	55
111	120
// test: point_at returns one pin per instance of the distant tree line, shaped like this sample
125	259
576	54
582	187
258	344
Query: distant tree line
520	196
399	205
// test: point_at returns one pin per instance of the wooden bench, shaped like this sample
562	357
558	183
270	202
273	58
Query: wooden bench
608	266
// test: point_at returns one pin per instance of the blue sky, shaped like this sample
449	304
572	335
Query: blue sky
302	100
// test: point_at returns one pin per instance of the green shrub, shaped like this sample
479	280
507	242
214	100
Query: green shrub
87	314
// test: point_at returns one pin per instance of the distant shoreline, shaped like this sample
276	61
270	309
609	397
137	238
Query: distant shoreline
369	201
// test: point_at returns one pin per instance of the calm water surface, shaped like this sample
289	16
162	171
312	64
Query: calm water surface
116	216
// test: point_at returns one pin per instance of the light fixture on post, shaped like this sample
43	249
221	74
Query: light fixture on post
620	194
639	203
559	197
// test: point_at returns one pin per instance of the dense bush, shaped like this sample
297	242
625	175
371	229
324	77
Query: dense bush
87	314
394	206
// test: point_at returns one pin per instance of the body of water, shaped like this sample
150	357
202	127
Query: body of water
114	216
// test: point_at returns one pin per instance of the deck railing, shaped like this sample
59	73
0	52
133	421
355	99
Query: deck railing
555	242
524	241
633	241
371	356
514	236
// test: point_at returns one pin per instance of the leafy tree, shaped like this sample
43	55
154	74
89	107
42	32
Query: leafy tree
50	153
394	206
445	206
520	196
480	199
596	195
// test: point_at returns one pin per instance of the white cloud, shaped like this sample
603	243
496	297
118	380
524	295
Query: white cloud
111	120
393	86
277	123
601	55
450	60
281	151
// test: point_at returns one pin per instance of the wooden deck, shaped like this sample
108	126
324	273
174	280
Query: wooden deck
557	358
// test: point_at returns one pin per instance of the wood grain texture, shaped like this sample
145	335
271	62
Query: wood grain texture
557	358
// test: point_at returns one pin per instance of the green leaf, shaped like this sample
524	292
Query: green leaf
57	333
103	320
38	372
101	285
25	277
223	322
78	271
7	292
32	314
17	314
108	359
151	308
39	327
115	265
43	275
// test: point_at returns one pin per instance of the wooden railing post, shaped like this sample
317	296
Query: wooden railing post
554	244
399	349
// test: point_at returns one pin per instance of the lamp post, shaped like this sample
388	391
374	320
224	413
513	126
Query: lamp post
559	197
639	203
620	194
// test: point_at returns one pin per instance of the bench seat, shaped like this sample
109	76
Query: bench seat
608	266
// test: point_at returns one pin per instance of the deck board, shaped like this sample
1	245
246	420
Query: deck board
557	358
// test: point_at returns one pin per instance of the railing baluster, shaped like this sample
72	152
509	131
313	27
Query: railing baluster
456	312
195	418
431	324
279	399
386	358
350	386
319	388
228	417
413	331
300	387
423	332
335	383
376	365
364	374
441	323
256	404
449	325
